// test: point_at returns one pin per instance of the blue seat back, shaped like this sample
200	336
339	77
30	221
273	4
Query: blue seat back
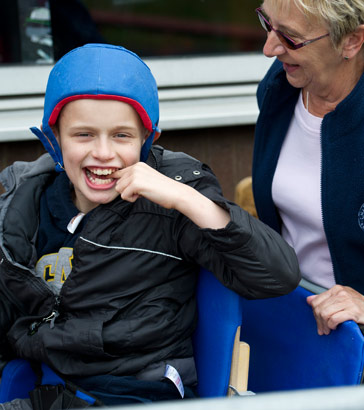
219	315
286	353
17	380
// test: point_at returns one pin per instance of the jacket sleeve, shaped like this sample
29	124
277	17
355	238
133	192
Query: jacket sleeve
8	315
247	256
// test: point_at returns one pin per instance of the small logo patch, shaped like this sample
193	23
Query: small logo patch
361	217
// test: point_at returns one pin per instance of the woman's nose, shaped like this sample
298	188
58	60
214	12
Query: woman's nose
273	46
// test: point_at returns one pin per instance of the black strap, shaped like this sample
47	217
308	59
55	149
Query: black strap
42	397
68	400
60	396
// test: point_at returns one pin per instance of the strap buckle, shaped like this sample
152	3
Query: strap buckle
42	397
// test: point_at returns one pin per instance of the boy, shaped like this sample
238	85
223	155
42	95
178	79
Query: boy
100	261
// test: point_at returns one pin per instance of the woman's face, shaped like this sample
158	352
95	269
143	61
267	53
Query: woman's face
313	67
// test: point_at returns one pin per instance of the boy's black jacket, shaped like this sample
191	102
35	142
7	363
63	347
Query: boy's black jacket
128	305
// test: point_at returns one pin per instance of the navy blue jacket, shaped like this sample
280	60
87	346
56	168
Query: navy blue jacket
342	169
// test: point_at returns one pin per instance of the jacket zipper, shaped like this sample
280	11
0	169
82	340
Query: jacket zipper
51	318
322	202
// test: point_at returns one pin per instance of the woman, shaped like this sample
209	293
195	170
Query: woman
309	146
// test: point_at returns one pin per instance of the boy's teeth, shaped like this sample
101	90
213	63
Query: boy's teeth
92	176
102	171
100	181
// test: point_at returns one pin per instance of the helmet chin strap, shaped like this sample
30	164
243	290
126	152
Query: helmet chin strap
50	143
154	135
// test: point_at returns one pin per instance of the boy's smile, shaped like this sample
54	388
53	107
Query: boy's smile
98	138
99	178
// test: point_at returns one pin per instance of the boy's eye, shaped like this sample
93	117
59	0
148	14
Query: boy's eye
121	135
83	134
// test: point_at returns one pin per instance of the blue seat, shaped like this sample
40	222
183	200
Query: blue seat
219	312
219	317
286	353
17	380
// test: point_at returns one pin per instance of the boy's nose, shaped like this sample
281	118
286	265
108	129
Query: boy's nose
103	149
273	46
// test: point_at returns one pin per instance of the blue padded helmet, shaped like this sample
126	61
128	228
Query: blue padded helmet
99	71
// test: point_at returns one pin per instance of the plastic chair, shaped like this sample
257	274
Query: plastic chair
287	353
221	359
17	380
219	364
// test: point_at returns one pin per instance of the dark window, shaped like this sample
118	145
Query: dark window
40	31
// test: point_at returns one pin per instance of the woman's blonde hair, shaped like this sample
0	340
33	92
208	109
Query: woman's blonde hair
340	17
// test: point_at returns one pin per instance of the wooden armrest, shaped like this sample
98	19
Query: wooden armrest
239	365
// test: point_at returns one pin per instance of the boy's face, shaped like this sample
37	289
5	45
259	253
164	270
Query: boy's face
98	137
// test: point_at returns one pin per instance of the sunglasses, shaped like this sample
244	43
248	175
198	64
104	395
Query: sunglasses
284	39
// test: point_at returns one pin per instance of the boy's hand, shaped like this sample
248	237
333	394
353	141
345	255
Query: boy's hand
140	180
335	306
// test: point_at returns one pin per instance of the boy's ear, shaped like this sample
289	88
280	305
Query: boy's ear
353	42
55	131
146	135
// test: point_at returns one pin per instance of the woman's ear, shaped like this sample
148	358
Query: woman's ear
353	43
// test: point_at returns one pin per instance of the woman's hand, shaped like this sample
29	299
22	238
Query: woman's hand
335	306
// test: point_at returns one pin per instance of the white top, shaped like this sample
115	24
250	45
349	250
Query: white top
296	192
